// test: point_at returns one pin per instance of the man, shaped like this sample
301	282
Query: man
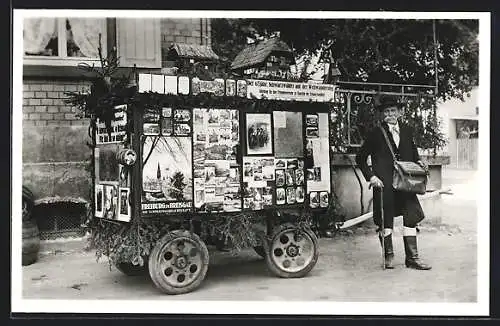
379	175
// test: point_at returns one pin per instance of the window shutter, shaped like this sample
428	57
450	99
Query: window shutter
139	42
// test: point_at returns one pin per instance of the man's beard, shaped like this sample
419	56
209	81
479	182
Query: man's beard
391	121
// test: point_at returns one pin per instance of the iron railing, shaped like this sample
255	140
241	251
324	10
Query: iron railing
355	98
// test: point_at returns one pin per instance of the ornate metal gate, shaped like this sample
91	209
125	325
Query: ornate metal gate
353	113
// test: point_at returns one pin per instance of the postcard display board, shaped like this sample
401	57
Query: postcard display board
216	135
112	179
287	160
190	164
207	160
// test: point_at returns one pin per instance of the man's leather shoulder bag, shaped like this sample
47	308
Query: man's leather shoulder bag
407	176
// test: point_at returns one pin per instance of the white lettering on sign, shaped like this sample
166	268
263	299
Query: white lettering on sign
160	206
290	91
118	127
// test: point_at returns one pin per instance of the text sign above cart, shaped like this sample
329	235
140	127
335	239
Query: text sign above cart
289	91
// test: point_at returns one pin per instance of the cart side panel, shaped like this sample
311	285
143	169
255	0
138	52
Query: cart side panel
280	160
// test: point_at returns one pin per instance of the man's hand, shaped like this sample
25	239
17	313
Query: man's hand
424	166
376	182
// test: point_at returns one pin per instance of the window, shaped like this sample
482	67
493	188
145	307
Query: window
467	128
62	40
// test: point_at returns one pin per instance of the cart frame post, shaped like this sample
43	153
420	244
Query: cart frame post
382	226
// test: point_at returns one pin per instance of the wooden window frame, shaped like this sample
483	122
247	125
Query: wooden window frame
62	59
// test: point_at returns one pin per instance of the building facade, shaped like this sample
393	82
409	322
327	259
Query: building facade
460	124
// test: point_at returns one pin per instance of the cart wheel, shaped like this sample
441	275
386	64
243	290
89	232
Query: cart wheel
260	234
179	262
292	252
259	250
130	269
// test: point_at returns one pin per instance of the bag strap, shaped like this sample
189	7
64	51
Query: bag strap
388	141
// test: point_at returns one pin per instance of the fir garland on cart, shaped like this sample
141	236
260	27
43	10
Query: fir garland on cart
133	242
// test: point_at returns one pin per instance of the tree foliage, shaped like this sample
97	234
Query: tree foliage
179	185
372	50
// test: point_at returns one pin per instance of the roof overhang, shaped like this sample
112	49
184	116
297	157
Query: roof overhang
194	51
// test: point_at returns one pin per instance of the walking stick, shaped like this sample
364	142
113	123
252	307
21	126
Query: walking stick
382	224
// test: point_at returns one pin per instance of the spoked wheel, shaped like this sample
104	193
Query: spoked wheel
130	269
292	252
179	262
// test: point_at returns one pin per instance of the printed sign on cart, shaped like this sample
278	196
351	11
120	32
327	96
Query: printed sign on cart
259	136
289	91
151	124
110	194
216	171
124	209
118	127
317	160
288	138
289	181
99	200
182	118
112	202
166	175
258	182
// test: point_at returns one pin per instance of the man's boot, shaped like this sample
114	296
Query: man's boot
389	252
412	260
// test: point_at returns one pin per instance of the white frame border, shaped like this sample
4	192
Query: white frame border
481	308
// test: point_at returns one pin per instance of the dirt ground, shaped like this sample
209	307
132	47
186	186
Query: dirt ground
348	268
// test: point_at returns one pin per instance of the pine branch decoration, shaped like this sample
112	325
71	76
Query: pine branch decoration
107	89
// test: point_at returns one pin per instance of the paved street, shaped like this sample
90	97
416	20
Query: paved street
348	268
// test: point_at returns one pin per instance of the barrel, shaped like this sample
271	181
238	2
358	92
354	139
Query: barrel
28	194
28	201
31	242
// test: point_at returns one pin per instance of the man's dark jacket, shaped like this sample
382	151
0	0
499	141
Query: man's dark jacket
395	203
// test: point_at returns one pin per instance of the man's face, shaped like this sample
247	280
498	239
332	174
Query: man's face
391	114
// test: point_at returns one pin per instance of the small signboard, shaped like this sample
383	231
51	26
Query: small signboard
289	91
118	127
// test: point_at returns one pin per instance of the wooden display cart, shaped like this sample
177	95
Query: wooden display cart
189	151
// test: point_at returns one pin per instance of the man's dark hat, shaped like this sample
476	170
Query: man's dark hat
385	101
